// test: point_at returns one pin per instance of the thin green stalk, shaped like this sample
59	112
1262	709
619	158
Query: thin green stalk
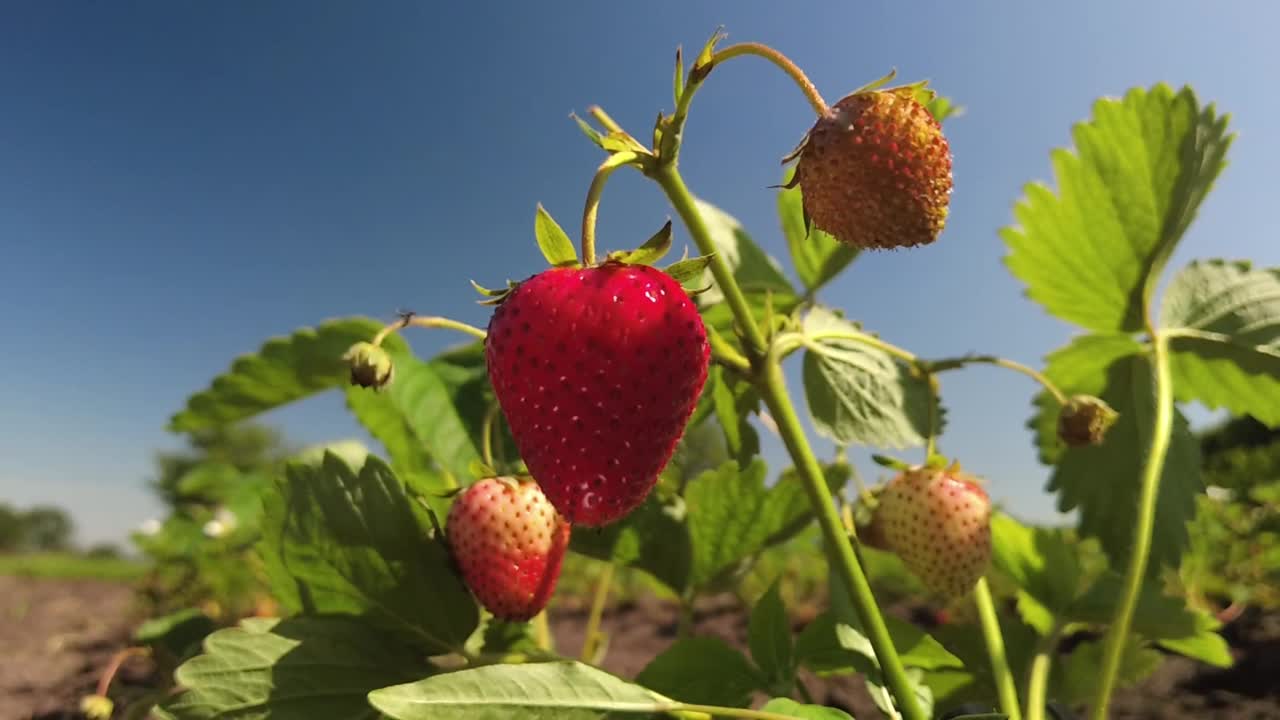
682	200
1046	383
1118	633
428	322
592	207
773	388
590	643
486	435
670	149
994	640
783	62
542	632
725	354
1038	675
774	392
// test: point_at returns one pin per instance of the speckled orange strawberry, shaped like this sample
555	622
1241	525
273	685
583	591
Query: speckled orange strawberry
509	543
597	370
876	171
939	522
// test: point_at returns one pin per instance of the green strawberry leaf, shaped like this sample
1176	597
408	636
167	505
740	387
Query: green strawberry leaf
318	668
791	708
690	273
731	516
1090	253
1224	323
769	636
883	699
817	257
1076	677
653	538
734	400
535	691
282	371
1102	481
335	542
177	632
379	413
650	252
1160	618
719	317
1043	565
555	245
754	269
834	643
859	394
703	670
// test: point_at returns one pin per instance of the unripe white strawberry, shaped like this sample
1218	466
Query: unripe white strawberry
939	523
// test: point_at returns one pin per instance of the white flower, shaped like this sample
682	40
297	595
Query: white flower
226	517
214	529
150	527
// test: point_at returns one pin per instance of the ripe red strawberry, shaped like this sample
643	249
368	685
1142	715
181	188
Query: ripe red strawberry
876	171
597	371
509	543
939	523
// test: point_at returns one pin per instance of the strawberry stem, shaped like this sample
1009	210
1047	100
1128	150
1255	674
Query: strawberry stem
113	667
486	435
772	384
542	632
994	640
1118	633
1038	675
591	641
783	62
592	207
410	319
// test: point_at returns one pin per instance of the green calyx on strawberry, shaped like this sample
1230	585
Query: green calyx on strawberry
938	521
875	172
509	543
597	370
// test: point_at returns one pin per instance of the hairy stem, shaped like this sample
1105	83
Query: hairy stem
1038	675
590	642
994	639
592	207
411	320
783	62
670	147
1118	633
773	390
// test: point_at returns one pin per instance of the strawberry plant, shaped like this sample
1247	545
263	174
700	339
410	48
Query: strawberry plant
620	402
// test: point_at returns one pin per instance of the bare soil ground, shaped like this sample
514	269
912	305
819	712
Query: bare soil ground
56	636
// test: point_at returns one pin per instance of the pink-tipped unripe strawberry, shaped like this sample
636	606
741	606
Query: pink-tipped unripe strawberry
597	371
509	543
876	171
939	523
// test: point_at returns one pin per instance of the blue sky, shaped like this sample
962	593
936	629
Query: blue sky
179	181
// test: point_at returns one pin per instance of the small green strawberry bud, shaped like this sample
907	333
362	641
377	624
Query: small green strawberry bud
371	366
1085	420
96	707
